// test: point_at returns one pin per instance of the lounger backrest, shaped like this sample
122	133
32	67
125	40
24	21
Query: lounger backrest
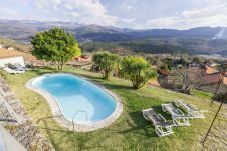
186	105
156	119
18	66
173	110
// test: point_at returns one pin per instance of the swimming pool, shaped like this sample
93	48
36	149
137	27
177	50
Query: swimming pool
78	99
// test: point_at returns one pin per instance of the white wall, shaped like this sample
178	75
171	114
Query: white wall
12	60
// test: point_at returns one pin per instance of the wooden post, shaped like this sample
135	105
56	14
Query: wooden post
213	121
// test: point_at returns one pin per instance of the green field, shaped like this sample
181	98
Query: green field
131	131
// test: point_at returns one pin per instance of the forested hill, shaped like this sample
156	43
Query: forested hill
201	40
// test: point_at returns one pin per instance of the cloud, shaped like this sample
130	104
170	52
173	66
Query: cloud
213	15
128	20
124	13
7	13
47	3
125	5
83	11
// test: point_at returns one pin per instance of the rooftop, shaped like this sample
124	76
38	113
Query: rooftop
164	72
4	53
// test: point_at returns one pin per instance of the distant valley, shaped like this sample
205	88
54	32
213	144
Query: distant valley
201	40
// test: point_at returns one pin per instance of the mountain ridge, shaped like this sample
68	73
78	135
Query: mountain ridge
199	40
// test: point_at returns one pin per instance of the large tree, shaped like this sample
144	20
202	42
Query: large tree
107	62
138	70
55	45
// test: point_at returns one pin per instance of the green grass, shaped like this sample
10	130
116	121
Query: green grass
130	131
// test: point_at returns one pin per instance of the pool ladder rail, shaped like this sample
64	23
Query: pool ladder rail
79	111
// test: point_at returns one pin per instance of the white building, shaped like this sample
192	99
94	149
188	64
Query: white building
10	57
10	48
1	46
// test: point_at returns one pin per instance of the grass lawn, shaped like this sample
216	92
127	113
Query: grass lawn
131	131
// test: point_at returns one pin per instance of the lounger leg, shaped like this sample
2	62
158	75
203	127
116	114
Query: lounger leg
163	108
163	131
182	122
145	116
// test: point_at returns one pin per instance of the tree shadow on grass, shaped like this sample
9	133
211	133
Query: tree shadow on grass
50	132
77	141
40	71
117	86
139	125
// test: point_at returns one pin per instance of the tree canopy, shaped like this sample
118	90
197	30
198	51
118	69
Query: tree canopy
107	62
55	45
138	70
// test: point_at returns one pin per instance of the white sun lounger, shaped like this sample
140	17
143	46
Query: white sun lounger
20	68
179	119
162	127
192	110
11	71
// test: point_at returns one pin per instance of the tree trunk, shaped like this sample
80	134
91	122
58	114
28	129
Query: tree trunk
61	66
107	75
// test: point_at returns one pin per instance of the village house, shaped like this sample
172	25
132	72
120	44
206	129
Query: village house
9	48
211	80
12	57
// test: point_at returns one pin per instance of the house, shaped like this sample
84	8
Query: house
10	48
12	57
163	73
83	58
162	78
212	78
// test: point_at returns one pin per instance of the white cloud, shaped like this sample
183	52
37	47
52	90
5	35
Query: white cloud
84	11
128	20
212	15
47	3
123	13
7	13
125	5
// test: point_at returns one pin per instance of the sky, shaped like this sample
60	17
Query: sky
137	14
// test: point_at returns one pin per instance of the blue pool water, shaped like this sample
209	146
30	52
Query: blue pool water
77	97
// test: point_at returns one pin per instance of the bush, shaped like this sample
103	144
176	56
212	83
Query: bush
138	70
107	62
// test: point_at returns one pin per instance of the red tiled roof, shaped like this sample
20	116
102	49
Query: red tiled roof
210	70
4	53
164	72
214	78
211	78
225	80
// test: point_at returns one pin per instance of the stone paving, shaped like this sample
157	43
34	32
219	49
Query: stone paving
26	133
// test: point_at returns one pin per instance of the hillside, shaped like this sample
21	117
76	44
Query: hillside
201	40
15	44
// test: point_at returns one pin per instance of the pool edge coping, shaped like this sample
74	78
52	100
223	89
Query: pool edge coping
66	123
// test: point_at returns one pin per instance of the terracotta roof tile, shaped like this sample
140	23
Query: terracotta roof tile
214	78
4	53
164	72
211	70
